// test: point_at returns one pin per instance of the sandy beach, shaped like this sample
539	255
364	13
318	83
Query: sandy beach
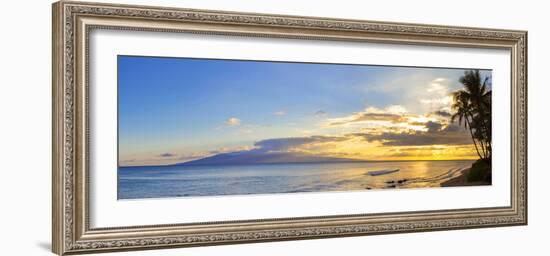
462	180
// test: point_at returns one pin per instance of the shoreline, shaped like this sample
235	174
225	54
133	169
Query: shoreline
462	180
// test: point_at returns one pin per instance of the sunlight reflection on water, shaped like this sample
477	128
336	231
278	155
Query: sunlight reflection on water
177	181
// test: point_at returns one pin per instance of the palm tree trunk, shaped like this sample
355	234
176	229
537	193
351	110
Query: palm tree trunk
480	142
473	138
485	133
485	130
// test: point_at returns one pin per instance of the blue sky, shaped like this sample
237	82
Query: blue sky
178	109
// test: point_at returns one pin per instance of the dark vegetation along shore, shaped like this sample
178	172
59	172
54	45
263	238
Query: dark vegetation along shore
478	174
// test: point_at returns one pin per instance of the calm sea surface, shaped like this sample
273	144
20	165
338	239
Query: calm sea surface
178	181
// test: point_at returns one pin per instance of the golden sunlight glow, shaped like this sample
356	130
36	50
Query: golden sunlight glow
423	130
357	148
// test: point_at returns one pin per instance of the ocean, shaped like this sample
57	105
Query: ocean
216	180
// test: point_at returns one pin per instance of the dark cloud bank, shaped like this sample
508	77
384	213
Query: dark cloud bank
437	134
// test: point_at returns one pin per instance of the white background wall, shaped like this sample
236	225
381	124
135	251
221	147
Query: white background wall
25	114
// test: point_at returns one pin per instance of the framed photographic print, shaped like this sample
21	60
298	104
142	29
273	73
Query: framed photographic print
179	127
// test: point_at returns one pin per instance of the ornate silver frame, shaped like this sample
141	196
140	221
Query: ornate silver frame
72	22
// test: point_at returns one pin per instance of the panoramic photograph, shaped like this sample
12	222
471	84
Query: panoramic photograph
192	127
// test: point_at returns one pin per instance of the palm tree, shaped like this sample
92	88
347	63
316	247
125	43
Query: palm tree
463	109
472	106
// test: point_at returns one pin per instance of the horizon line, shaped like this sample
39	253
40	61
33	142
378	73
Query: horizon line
303	162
